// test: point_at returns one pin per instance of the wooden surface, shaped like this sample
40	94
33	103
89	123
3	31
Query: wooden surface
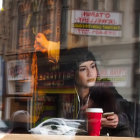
57	137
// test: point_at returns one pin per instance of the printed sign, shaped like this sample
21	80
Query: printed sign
96	23
118	75
17	70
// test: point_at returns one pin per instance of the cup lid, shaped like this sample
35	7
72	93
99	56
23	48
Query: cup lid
98	110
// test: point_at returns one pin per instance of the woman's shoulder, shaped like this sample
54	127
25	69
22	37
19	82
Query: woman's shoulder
105	85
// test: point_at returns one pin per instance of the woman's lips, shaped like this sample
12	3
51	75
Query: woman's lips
91	80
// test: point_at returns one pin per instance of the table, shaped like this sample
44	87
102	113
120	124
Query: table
58	137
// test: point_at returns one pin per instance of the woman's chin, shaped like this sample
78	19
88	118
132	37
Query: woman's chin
90	84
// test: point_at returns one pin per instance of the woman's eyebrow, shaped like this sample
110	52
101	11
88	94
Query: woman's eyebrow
82	66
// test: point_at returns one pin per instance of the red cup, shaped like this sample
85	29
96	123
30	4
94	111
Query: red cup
94	116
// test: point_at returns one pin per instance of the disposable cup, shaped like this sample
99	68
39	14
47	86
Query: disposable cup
94	116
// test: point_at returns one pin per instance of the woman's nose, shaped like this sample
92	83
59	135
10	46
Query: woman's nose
89	72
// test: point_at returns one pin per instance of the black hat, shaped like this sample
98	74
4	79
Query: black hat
76	56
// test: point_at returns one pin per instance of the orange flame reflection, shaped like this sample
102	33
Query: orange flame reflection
52	49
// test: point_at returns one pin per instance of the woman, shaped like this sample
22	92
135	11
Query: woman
92	92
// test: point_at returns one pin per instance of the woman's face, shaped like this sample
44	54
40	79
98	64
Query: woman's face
87	74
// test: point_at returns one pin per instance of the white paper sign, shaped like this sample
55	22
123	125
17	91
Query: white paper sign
96	23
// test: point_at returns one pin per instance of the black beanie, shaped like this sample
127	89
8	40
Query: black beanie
76	56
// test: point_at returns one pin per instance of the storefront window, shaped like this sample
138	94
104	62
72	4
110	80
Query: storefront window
60	57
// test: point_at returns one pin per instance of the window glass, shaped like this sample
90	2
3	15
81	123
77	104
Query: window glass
61	60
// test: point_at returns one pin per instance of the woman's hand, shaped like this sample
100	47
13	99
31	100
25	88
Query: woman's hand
110	121
41	43
44	45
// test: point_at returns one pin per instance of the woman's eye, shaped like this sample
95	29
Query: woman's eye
82	69
93	66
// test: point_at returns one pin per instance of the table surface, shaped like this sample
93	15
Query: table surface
58	137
